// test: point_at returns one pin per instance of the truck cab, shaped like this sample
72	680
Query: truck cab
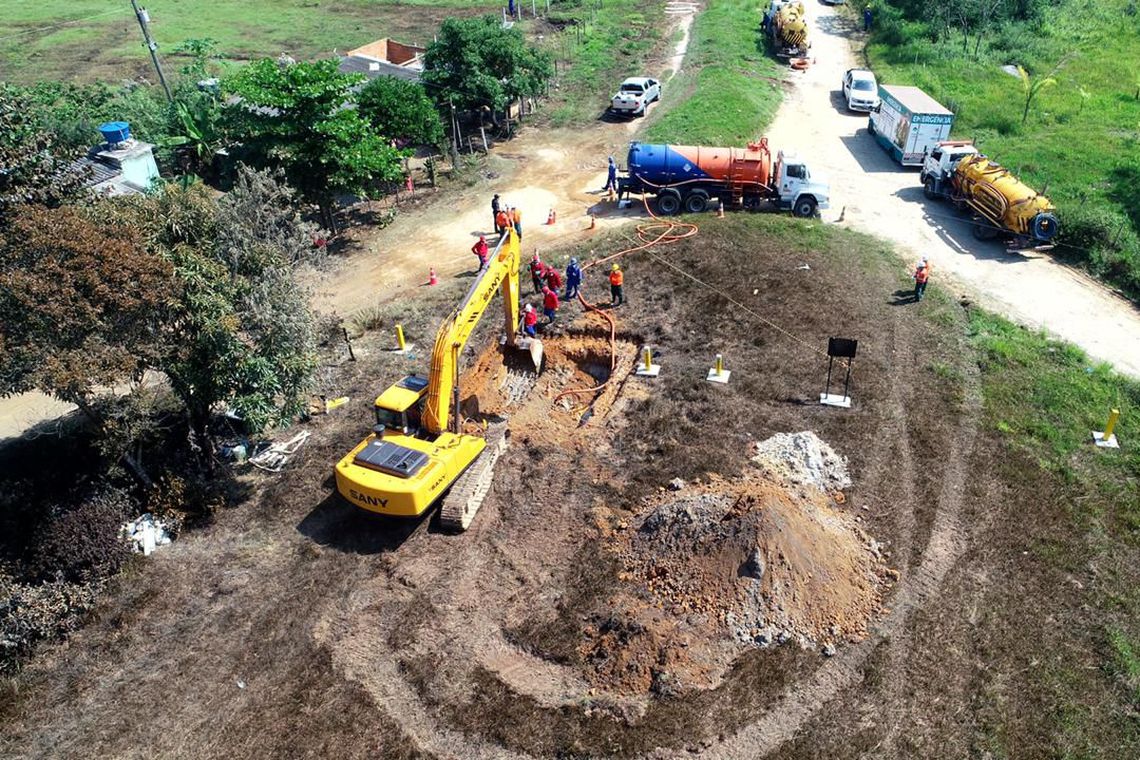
939	163
798	189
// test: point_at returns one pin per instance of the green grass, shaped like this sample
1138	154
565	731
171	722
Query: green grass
1043	397
1084	151
105	42
729	81
616	40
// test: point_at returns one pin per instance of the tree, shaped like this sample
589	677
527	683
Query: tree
1031	86
34	168
296	117
242	332
401	111
82	308
475	63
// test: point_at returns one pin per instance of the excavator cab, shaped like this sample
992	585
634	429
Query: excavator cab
400	408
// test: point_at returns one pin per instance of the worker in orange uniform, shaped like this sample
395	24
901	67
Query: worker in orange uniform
480	249
537	273
530	320
549	304
921	277
617	279
516	219
502	221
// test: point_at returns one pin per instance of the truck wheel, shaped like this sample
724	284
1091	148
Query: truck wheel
804	207
696	202
668	202
928	188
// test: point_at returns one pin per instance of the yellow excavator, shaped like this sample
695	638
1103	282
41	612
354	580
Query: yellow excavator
412	457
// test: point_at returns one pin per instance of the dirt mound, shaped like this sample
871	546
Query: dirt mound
711	570
802	459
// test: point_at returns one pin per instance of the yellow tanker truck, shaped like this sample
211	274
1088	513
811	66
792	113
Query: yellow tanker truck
1003	204
786	24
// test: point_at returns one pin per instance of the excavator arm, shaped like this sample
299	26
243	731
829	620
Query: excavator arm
501	273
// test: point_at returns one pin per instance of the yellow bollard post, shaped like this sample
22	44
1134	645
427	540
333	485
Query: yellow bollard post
648	359
1113	416
719	364
400	337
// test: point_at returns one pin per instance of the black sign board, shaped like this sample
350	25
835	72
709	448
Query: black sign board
842	347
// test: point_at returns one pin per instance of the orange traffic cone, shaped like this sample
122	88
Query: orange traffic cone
720	210
593	221
432	279
409	186
551	217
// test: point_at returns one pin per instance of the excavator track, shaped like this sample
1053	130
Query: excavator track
470	489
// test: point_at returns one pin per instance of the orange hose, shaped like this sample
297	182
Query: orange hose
658	232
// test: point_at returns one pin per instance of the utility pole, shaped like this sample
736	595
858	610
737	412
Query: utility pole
144	19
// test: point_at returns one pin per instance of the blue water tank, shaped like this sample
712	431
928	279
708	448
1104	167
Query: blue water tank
115	131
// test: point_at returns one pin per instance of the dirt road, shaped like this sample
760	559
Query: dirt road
875	195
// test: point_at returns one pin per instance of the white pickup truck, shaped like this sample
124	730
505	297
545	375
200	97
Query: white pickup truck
635	95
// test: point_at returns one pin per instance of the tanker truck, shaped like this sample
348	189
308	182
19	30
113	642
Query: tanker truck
689	177
1005	206
786	24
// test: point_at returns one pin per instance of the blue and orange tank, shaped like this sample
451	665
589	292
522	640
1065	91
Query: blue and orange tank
669	165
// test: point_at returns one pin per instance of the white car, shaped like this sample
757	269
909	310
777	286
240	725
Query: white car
635	95
861	90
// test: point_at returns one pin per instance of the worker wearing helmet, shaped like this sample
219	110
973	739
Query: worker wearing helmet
553	279
921	277
617	279
573	278
549	304
480	249
537	272
530	320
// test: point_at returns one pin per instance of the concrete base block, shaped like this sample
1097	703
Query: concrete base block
1105	443
834	399
653	371
405	351
715	377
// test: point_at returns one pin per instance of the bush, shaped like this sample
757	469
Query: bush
83	545
34	613
1105	241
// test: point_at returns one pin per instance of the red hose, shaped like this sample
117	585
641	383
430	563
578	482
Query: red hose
658	232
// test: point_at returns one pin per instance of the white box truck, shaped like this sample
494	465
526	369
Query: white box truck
908	123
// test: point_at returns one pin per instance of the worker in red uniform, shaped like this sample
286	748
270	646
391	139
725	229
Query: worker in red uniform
537	273
921	277
480	249
617	280
530	320
553	279
549	304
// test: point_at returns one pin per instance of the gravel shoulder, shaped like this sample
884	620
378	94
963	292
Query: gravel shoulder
873	194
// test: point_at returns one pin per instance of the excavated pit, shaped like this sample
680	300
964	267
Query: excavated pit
502	383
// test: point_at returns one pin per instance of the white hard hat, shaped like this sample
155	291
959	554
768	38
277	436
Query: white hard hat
529	307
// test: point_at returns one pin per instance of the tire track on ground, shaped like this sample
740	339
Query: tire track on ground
947	543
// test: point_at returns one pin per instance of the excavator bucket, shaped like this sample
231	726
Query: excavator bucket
536	353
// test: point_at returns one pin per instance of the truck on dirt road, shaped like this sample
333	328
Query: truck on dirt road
690	177
786	24
1004	205
635	95
908	123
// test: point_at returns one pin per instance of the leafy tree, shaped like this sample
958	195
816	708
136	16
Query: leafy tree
242	332
195	132
34	168
1031	86
401	110
82	306
295	117
203	51
475	63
